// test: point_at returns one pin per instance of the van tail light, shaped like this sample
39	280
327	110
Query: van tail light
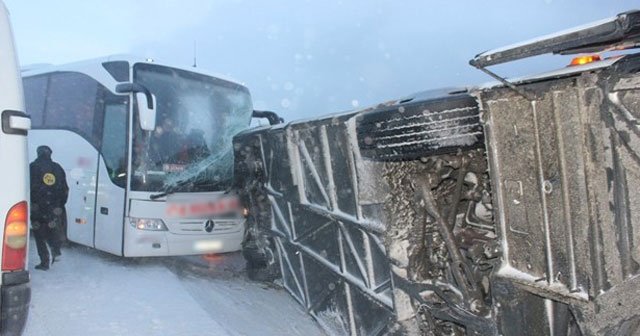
14	245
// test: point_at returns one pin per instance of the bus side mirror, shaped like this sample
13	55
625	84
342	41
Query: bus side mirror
146	112
146	104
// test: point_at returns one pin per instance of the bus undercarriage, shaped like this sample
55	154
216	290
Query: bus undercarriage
503	210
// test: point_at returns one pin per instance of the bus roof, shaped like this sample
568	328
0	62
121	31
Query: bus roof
94	68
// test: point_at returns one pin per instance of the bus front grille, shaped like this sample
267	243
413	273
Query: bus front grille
199	226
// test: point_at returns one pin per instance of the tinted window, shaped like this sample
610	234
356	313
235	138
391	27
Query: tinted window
71	104
119	70
35	89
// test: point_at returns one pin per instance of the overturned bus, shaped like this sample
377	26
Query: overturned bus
508	209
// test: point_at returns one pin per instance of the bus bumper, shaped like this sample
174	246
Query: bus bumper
139	243
16	295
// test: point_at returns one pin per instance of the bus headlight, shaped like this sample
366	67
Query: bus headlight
149	224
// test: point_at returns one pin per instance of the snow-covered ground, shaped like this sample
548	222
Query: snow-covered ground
93	293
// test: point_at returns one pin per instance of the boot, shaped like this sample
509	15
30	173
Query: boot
43	266
56	256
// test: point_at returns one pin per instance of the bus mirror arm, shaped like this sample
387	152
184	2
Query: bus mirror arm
273	117
146	112
136	88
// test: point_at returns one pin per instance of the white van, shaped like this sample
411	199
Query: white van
15	292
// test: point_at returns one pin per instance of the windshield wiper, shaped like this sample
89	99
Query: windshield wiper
171	189
211	185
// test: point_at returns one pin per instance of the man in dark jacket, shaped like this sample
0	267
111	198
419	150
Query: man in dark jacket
49	192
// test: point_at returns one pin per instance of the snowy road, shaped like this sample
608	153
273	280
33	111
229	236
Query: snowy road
93	293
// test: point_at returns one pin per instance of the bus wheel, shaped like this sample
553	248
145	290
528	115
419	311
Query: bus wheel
262	262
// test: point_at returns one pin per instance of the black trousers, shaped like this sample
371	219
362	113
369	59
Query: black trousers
46	232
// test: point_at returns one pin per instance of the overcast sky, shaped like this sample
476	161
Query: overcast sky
304	57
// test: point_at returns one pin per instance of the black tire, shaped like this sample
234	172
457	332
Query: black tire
262	264
266	273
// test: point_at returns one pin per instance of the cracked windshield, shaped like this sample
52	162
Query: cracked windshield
196	117
337	167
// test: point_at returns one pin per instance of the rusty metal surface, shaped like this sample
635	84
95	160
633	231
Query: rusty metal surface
563	170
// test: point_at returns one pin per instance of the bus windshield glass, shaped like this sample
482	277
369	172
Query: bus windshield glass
196	118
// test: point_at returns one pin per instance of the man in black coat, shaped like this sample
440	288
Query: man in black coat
49	192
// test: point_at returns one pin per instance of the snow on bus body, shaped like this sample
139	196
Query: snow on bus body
135	192
15	291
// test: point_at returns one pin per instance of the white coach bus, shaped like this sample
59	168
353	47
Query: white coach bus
147	151
15	292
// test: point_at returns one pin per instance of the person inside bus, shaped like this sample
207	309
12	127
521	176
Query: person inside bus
166	142
195	146
49	193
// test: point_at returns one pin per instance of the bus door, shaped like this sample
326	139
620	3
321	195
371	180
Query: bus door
80	165
112	177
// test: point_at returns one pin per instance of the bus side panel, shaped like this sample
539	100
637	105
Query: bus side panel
78	159
109	213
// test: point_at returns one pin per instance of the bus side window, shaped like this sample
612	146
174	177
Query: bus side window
71	103
35	91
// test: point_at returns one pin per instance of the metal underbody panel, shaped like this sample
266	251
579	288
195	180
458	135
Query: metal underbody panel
564	168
